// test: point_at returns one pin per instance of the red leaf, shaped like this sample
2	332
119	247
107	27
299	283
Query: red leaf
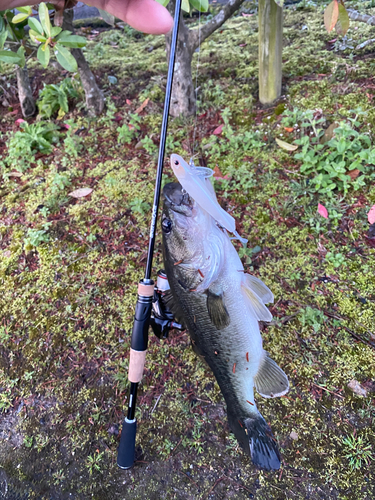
218	130
218	174
20	120
323	211
331	15
128	101
371	215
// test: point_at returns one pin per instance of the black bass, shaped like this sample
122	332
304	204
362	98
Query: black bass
221	305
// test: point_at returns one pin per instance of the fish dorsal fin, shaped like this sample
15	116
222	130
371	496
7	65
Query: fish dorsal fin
217	310
270	381
256	304
263	292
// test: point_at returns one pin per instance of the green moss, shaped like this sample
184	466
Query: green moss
67	304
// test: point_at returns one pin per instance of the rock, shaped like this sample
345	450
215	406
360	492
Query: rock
356	387
294	435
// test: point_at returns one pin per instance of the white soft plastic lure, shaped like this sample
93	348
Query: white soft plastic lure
195	181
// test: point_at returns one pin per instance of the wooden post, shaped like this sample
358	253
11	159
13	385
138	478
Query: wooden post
270	50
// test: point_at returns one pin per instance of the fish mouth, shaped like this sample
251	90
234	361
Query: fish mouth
177	199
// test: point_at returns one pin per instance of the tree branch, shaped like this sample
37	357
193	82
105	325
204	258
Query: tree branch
363	18
214	24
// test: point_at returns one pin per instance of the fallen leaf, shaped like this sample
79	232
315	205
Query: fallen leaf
294	435
218	130
289	129
242	44
323	211
20	120
15	174
128	101
7	253
353	174
218	174
356	387
329	133
286	145
371	215
81	192
142	106
247	15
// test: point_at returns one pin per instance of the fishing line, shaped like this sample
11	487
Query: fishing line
196	79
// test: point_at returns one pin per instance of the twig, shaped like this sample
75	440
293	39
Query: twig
192	480
155	405
213	487
324	389
355	335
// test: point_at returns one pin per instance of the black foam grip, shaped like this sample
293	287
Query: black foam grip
126	449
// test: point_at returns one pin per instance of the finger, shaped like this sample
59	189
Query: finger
147	16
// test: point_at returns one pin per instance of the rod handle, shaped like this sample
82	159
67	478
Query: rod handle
126	449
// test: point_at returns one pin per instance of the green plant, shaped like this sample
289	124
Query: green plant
336	259
36	237
54	98
329	164
247	253
357	451
40	39
128	131
94	462
312	317
38	136
139	206
28	441
5	401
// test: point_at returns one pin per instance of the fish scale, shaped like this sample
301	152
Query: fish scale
222	319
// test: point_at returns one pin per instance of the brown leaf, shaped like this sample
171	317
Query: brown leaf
142	106
353	174
329	133
81	192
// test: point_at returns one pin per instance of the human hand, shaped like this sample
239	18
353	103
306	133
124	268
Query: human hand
147	16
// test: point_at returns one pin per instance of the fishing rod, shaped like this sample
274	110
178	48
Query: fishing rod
146	287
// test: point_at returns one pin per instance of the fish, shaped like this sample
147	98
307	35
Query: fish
221	306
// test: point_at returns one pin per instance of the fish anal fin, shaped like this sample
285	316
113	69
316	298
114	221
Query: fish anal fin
257	286
217	310
256	304
270	381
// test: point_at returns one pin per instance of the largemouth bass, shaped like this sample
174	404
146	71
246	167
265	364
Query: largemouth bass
220	306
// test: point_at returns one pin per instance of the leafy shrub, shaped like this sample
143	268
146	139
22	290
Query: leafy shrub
54	98
129	130
22	146
331	163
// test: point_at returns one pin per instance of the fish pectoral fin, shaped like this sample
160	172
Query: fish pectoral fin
217	310
171	304
257	286
256	304
270	381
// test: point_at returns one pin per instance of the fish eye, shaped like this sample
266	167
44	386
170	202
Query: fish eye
176	162
166	225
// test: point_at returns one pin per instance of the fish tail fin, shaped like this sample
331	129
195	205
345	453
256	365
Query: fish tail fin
257	440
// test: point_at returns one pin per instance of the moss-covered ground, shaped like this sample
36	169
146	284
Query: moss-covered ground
69	268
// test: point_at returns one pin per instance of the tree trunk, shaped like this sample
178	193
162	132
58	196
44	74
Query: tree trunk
270	50
25	94
183	100
94	96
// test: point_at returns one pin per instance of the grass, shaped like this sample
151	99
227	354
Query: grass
69	268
